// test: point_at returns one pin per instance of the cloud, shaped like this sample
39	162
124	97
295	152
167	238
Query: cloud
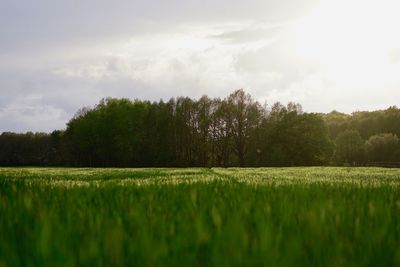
31	114
52	23
252	33
58	56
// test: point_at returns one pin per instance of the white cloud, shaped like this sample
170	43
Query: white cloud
59	57
30	114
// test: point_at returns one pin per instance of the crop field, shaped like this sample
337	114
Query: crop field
319	216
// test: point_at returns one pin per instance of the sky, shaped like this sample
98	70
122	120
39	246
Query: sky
57	56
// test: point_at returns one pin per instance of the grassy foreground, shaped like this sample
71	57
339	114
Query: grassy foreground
200	217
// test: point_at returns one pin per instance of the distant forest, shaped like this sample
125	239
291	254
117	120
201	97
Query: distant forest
235	131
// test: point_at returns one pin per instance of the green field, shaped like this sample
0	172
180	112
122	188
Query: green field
200	217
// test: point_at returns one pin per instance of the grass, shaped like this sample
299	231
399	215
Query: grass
200	217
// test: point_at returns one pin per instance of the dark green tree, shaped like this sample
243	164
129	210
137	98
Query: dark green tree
383	147
246	117
349	148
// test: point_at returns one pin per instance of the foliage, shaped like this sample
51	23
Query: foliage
350	147
184	132
383	148
25	149
292	138
366	123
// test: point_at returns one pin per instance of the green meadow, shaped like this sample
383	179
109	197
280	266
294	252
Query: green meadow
317	216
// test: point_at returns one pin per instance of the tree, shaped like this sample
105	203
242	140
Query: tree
235	131
365	122
349	147
246	117
184	131
221	133
383	148
25	149
336	122
294	138
203	125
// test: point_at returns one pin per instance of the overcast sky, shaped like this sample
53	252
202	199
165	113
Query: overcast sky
57	56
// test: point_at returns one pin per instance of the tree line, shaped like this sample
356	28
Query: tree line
365	137
182	132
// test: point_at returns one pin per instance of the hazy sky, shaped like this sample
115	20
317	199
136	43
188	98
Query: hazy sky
57	56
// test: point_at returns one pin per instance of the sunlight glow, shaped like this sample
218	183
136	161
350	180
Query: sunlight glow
350	39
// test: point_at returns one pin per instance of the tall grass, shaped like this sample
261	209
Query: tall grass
200	217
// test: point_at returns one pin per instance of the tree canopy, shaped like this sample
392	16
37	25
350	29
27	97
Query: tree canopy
234	131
